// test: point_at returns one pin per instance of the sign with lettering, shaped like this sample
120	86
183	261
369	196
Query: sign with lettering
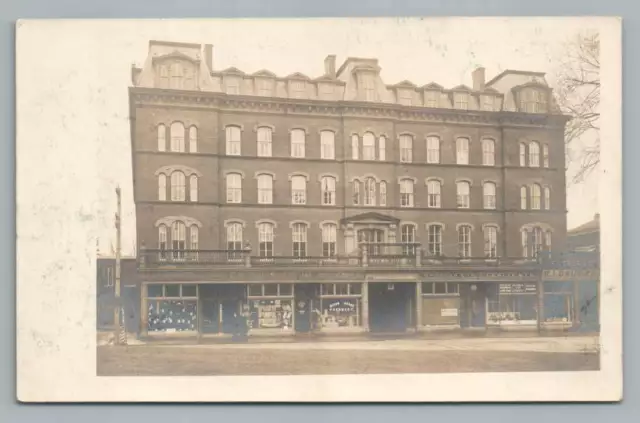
517	288
570	274
481	276
449	312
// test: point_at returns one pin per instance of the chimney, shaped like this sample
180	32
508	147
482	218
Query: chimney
478	79
208	56
596	217
330	66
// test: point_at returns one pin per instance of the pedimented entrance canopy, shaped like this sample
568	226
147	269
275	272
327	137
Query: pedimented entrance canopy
370	218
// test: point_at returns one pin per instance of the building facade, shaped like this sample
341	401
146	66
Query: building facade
105	293
340	203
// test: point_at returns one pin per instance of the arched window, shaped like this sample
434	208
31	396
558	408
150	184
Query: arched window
535	241
523	198
193	139
433	149
369	192
177	137
523	154
327	145
463	189
234	188
434	188
299	240
547	240
524	236
234	238
355	147
356	192
297	143
164	77
406	193
298	189
464	241
265	239
547	198
383	193
264	141
406	148
162	187
178	239
162	137
329	239
534	154
434	240
545	155
535	197
382	148
233	140
193	188
488	152
489	195
408	237
162	240
462	151
177	186
265	189
368	146
490	241
328	190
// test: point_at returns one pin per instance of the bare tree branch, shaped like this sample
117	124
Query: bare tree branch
578	94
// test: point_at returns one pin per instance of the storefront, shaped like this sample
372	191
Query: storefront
269	308
339	307
512	304
171	308
440	305
558	304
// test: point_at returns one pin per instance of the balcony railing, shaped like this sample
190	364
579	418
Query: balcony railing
378	255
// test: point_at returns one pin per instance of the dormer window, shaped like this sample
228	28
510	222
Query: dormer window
298	89
164	77
232	86
176	76
533	100
264	87
431	99
489	103
461	101
404	97
368	87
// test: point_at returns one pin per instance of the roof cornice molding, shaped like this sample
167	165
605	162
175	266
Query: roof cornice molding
274	105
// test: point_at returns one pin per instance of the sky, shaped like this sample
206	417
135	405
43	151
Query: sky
80	73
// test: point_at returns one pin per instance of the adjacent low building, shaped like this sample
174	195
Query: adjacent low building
341	203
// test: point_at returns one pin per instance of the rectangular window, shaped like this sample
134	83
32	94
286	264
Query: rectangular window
461	101
327	145
382	152
298	190
298	143
328	187
234	188
431	99
462	151
545	155
233	140
298	89
355	147
264	142
368	87
265	239
406	148
464	241
434	241
488	103
433	149
329	240
299	240
405	97
490	242
232	86
264	87
406	193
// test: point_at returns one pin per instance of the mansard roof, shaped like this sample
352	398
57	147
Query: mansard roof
461	88
404	84
233	70
264	73
432	86
298	75
175	55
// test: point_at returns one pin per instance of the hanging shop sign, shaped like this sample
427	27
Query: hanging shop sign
570	274
449	312
517	288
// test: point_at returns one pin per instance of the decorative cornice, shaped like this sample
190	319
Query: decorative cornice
253	104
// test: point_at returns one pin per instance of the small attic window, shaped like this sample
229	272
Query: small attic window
405	97
461	101
326	90
298	89
533	100
264	87
431	99
489	103
232	86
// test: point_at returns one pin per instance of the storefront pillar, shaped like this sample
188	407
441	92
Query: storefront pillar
365	306
144	310
418	305
198	314
540	302
576	303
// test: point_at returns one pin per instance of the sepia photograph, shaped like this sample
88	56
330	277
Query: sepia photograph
352	198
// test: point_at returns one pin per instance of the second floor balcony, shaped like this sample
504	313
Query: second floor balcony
372	255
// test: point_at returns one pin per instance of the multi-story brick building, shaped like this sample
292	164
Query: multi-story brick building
340	202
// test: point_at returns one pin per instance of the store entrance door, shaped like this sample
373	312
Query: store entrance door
390	306
473	312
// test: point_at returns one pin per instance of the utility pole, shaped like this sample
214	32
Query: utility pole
118	309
